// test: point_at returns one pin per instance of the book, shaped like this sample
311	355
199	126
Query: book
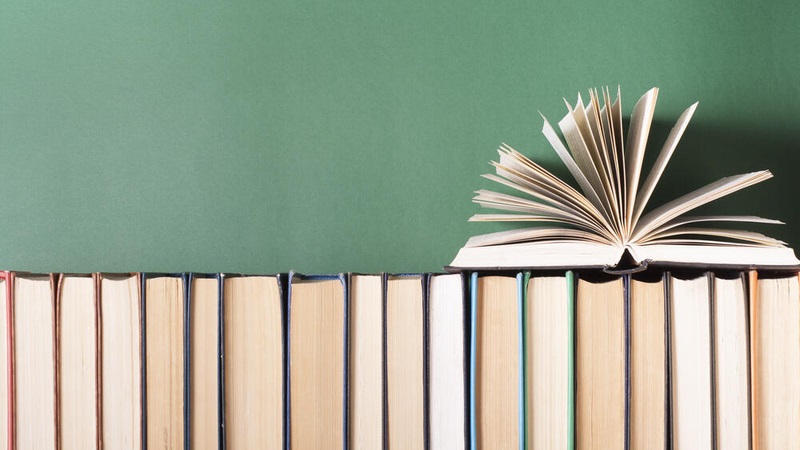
121	360
366	361
648	362
6	369
163	323
448	370
497	362
405	361
77	362
253	367
549	355
691	379
600	359
317	361
731	362
35	400
775	365
606	221
203	355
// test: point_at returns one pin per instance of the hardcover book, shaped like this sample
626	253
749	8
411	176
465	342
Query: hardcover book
253	369
606	221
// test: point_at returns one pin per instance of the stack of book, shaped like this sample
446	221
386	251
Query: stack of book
444	361
617	327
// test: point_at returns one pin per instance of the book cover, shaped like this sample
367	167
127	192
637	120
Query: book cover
120	336
447	361
775	363
601	361
366	360
77	339
549	360
497	413
406	396
691	340
253	366
164	406
203	356
35	395
317	342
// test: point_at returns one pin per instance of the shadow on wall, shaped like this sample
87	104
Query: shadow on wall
708	152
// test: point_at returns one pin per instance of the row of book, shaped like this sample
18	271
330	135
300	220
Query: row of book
427	361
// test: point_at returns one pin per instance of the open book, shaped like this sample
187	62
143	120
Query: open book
603	223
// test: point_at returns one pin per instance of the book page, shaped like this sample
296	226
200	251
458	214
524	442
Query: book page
641	118
694	199
661	163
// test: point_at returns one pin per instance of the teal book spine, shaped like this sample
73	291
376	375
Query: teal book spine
473	344
571	367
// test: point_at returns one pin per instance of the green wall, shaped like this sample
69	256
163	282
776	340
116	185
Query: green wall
263	136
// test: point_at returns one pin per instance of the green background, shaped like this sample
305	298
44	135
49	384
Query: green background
265	136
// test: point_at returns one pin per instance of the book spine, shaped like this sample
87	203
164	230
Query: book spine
712	357
426	411
473	344
526	278
465	315
626	308
665	279
346	375
9	356
521	288
143	352
571	288
186	278
98	368
754	356
748	323
384	351
222	441
55	285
